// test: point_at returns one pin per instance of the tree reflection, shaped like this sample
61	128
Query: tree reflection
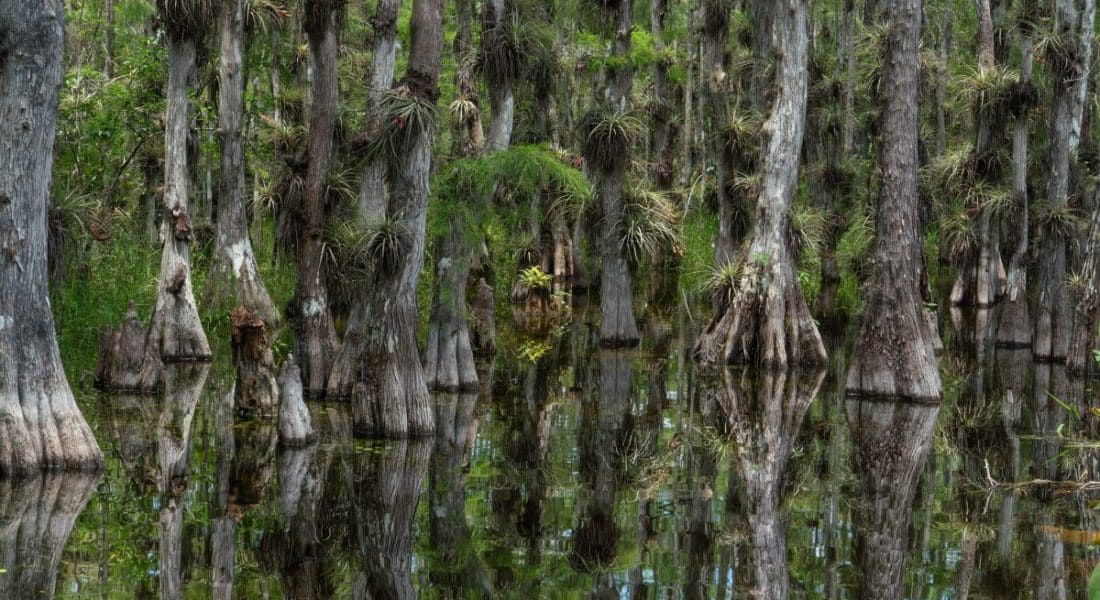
385	491
183	384
602	438
891	440
762	416
36	518
455	571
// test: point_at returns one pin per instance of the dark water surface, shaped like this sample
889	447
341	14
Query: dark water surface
585	473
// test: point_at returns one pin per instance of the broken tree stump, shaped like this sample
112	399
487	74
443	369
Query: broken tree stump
125	364
256	392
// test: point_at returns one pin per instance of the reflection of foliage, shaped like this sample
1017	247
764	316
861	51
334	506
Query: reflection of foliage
532	350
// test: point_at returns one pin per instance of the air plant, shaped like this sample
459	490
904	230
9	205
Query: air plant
186	19
1056	220
406	117
989	92
607	137
650	224
362	249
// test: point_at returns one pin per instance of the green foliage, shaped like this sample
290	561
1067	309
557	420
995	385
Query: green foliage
534	279
607	135
406	117
650	224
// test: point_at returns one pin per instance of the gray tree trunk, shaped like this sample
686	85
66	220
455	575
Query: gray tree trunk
388	390
40	423
448	356
1073	22
175	331
372	190
1014	329
661	153
894	350
766	320
618	327
295	422
315	342
234	273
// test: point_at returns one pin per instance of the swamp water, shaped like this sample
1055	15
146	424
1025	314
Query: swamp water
583	472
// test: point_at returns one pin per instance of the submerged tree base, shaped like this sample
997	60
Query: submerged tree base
766	322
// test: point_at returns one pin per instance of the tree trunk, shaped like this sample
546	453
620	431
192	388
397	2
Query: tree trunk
502	102
255	393
766	320
175	331
372	190
1085	337
618	327
40	423
661	140
894	350
315	342
36	519
223	525
891	441
448	355
1014	330
716	17
1074	25
387	386
295	423
234	273
987	285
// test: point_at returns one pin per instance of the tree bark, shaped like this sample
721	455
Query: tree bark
1073	21
448	356
387	386
765	320
234	273
618	327
315	342
716	17
175	331
502	102
894	350
40	423
1014	330
255	393
295	422
661	152
372	190
1085	337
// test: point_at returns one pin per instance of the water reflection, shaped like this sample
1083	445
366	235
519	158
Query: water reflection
583	472
891	441
762	417
36	520
183	385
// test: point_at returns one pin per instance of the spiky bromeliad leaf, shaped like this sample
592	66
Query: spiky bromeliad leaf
650	224
405	118
361	249
1060	220
187	19
608	136
989	92
316	13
